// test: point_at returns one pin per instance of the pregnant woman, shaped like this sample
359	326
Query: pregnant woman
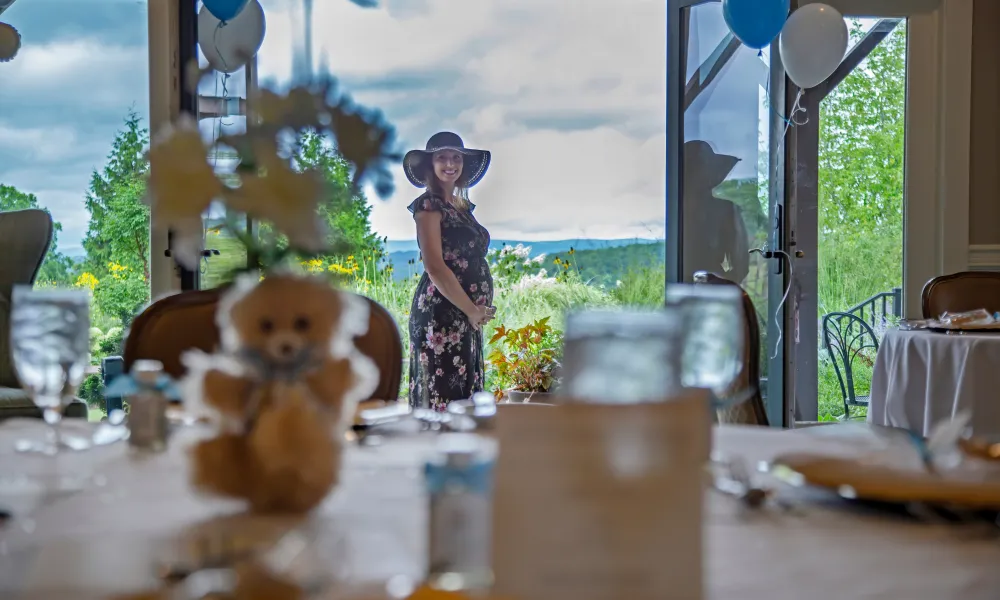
455	295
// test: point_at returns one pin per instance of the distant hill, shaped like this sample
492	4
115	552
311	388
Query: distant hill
606	266
601	262
546	247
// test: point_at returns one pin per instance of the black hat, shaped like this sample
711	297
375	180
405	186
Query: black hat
474	164
703	165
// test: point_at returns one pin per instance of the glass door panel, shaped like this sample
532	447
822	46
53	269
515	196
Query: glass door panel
722	203
74	130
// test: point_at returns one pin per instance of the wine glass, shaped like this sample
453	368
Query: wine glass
715	338
50	349
623	356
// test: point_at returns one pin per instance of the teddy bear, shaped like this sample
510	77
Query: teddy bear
283	388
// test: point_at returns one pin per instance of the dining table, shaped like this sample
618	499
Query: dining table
105	538
922	377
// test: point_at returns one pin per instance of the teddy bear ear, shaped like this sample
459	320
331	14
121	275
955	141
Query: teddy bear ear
238	290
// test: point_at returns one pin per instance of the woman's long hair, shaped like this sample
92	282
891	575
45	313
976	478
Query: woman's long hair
461	197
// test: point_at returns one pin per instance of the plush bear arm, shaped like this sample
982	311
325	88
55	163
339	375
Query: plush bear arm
331	382
229	394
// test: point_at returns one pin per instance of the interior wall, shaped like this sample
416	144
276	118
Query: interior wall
984	167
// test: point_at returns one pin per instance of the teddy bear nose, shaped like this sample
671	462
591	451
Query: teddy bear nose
286	349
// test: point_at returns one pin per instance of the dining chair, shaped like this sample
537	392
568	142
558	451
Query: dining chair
184	321
25	237
750	411
959	292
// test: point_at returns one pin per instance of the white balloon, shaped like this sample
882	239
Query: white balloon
812	44
228	46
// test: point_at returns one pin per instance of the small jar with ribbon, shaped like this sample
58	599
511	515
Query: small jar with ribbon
148	391
459	478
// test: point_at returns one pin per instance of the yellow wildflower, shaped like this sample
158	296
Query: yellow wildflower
86	279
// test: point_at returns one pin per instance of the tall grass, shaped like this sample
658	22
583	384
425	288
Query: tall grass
641	287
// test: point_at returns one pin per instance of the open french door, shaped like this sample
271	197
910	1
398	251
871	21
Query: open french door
725	171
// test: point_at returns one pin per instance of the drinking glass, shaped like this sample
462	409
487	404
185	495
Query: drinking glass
622	357
50	349
715	338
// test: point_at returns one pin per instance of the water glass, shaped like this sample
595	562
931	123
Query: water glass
50	349
622	357
714	332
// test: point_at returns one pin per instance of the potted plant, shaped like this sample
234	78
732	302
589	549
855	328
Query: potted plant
525	361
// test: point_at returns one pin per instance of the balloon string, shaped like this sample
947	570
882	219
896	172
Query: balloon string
779	252
215	42
796	109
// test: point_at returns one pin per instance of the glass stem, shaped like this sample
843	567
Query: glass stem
53	416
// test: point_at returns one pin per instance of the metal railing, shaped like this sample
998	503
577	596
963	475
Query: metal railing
876	310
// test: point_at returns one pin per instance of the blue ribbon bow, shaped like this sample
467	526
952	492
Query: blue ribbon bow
127	385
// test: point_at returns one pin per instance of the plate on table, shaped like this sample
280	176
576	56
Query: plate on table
963	330
867	480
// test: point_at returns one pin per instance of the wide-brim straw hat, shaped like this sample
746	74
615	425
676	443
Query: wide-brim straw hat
416	163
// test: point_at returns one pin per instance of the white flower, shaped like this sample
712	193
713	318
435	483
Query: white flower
285	197
534	282
182	182
187	242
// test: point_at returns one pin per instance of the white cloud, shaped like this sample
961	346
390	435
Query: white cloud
58	142
554	185
85	71
568	94
60	106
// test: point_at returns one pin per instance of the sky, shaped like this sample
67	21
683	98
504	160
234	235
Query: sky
568	95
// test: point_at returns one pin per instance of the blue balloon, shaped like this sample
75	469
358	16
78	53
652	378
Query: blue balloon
225	10
756	22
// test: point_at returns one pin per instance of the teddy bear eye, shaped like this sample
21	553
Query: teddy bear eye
301	324
266	325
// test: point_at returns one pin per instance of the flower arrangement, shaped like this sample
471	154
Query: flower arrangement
265	186
510	264
525	359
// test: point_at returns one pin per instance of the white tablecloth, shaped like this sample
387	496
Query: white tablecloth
923	377
105	540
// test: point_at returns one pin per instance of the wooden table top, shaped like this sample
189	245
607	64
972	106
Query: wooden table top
105	540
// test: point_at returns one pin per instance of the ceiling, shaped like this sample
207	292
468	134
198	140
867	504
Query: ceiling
5	4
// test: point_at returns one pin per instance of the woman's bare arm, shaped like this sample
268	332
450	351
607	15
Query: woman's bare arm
429	239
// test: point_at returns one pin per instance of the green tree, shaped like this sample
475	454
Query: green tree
57	268
862	130
347	214
117	240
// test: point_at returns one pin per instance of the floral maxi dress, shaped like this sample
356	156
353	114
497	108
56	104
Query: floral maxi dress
446	351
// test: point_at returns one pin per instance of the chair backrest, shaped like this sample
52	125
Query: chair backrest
848	339
752	411
25	237
184	321
958	292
